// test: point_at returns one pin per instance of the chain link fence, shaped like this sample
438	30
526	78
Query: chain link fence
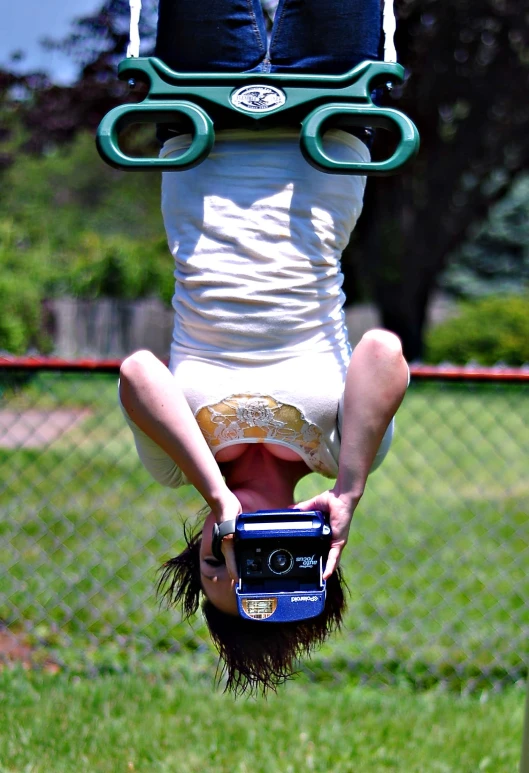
436	564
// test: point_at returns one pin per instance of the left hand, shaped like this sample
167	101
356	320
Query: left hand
340	509
228	509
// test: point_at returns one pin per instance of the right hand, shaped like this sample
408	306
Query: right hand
340	509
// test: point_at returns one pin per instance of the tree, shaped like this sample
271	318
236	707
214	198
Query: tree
55	114
495	258
468	76
468	64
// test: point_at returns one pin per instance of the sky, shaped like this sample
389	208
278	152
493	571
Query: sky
28	21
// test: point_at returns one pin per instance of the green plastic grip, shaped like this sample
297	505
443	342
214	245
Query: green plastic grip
107	139
313	128
259	101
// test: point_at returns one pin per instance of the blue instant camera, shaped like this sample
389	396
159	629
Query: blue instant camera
281	555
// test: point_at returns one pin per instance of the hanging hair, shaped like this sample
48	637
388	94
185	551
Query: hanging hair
254	656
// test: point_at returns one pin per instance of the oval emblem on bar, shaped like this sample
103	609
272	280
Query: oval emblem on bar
258	99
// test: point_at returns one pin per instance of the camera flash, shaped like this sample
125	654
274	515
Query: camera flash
259	609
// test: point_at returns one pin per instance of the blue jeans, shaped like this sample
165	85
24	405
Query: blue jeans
312	36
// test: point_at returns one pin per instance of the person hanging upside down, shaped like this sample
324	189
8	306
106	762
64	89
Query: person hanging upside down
262	388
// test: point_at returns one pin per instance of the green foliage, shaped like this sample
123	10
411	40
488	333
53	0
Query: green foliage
20	280
73	226
67	192
116	267
486	331
495	259
20	316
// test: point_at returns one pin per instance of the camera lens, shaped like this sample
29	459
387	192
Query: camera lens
280	561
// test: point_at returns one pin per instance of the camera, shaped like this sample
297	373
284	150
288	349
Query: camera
281	555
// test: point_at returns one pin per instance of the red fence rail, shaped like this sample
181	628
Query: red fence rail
446	372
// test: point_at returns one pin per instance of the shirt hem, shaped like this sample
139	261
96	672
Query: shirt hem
183	141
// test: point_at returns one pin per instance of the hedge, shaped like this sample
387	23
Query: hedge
487	331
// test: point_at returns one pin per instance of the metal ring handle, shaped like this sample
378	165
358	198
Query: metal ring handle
311	138
107	138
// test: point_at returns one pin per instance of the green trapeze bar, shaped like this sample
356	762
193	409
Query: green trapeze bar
259	101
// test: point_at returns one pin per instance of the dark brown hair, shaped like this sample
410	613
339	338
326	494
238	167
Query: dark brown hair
254	656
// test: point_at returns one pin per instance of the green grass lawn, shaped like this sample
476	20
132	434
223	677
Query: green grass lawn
436	564
61	724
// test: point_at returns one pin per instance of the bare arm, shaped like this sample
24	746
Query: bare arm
155	402
376	382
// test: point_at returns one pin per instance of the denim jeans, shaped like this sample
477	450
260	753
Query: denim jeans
311	36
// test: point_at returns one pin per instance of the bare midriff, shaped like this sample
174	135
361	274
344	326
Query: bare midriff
237	450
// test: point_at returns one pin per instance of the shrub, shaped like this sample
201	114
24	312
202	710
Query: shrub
22	272
93	266
71	225
20	319
117	267
487	331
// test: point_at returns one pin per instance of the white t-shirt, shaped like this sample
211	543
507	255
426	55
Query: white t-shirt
260	345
